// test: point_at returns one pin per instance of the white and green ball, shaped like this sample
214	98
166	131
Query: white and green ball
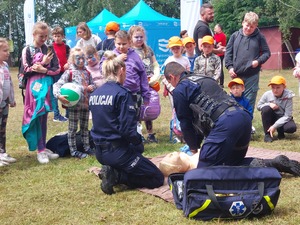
72	93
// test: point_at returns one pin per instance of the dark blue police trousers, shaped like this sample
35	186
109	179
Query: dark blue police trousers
135	170
228	141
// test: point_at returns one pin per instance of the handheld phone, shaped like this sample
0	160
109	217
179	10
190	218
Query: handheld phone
50	49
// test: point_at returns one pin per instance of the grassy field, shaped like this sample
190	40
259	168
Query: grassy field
63	192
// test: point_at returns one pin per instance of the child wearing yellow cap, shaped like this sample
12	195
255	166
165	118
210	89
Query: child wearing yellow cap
276	106
237	88
208	63
189	46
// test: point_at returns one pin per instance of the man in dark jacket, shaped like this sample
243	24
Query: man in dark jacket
246	51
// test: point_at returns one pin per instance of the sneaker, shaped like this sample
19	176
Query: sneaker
90	152
144	140
50	154
60	118
284	164
268	138
78	154
42	157
3	163
151	138
109	177
4	157
253	130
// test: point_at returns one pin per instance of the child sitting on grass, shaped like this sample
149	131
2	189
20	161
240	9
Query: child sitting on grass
276	108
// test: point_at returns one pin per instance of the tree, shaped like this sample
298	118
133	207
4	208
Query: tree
285	14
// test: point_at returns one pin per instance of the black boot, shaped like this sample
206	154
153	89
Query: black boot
110	178
283	164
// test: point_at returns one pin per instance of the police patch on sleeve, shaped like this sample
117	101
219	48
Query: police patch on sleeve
131	108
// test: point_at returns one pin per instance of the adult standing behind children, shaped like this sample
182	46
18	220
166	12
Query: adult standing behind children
276	108
62	51
202	27
7	98
208	63
220	39
136	78
77	74
86	37
138	43
246	51
119	146
39	66
111	29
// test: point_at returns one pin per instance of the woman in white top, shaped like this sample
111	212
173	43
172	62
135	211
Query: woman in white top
86	37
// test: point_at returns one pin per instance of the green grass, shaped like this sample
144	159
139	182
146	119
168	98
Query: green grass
63	192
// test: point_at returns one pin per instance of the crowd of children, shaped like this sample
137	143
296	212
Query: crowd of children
55	65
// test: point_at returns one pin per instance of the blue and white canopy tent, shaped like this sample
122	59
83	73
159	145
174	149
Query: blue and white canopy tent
159	28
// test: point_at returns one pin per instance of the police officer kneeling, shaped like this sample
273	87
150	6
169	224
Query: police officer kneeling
119	147
206	110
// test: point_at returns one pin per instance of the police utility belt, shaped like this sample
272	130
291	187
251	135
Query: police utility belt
108	144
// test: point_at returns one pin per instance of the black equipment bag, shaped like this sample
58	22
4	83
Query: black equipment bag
229	192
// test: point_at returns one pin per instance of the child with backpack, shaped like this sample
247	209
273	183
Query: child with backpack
111	29
138	43
7	99
39	99
77	73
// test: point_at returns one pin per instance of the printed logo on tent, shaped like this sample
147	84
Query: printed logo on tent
237	208
162	45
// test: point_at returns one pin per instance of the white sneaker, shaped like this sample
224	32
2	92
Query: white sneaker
2	163
50	154
42	157
7	158
253	130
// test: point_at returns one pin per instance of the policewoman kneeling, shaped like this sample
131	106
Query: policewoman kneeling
119	147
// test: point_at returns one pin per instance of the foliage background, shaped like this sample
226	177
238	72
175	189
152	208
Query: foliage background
64	13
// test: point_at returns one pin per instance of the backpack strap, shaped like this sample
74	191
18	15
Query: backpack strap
70	75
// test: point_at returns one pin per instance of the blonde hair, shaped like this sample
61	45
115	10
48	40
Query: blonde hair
40	26
87	32
137	28
251	18
3	41
74	51
111	65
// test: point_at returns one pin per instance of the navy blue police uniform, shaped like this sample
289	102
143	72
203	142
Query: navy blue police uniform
228	136
116	139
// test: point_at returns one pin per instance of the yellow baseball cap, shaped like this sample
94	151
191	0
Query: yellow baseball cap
235	81
112	26
187	40
277	80
174	41
208	39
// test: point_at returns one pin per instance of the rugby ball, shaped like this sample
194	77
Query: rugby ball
72	93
